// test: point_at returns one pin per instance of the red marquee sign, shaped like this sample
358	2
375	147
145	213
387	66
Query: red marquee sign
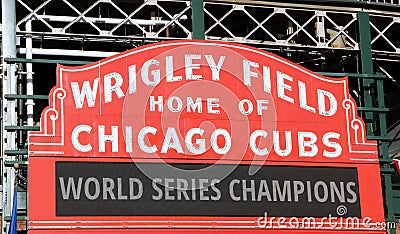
205	136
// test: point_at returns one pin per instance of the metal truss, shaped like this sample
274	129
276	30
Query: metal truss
282	25
385	30
396	2
149	18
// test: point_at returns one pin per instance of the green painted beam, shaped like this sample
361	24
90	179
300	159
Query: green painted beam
353	75
25	128
53	61
16	152
379	138
21	190
368	85
365	43
396	202
11	163
386	160
366	64
20	96
387	170
198	19
19	217
392	207
375	109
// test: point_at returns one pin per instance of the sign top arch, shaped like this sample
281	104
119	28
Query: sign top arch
204	81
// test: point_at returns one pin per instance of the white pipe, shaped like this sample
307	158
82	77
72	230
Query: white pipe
78	53
29	75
